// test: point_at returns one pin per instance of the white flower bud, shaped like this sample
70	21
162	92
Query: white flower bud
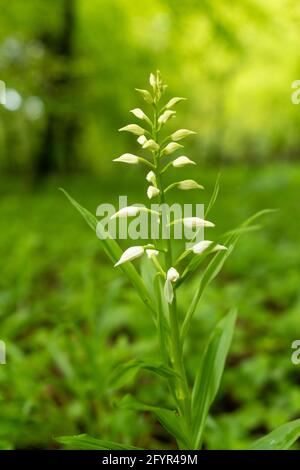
139	113
152	80
172	275
150	253
146	95
182	161
204	244
134	129
166	116
171	147
130	211
151	145
181	134
151	178
189	184
141	139
196	222
152	192
174	101
130	254
127	158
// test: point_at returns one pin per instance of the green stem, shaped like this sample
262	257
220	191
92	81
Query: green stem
182	392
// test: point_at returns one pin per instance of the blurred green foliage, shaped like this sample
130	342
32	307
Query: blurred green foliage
75	64
68	322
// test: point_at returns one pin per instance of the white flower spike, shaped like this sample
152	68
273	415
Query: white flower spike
174	101
152	192
150	253
151	178
134	129
172	277
166	116
130	211
151	145
196	222
204	245
141	139
139	113
181	134
127	158
130	254
152	80
185	185
182	161
171	147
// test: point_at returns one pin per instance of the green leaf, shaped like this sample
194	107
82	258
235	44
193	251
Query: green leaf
214	195
216	264
210	373
168	418
114	252
210	273
126	372
85	442
281	438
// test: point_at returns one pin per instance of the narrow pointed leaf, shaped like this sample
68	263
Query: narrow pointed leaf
209	376
114	252
168	418
281	438
85	442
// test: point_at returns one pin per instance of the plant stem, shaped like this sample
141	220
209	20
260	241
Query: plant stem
182	392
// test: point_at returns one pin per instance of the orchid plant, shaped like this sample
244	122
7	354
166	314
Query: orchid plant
190	398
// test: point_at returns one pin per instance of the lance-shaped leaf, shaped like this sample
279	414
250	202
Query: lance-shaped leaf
85	442
281	438
124	373
209	376
114	252
167	418
214	267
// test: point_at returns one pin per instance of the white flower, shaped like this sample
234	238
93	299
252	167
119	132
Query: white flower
151	178
134	129
127	158
204	244
163	118
130	254
130	211
182	161
189	184
146	95
171	147
150	253
139	113
151	145
152	191
195	222
172	276
152	80
174	101
181	134
141	139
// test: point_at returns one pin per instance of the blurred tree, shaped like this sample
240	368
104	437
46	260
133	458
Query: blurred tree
57	149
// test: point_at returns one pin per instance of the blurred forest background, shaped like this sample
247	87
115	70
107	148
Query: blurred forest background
70	68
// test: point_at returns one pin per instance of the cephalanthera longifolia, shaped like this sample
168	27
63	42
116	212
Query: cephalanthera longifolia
185	414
